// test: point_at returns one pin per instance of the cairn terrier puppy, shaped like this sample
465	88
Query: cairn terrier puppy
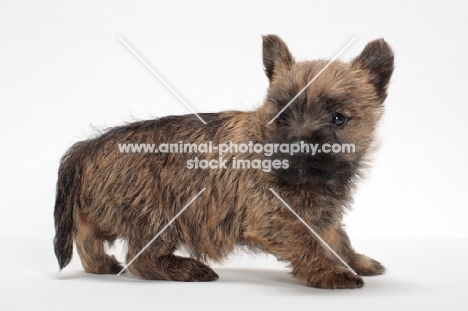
104	194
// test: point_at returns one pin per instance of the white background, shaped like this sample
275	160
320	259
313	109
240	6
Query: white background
63	71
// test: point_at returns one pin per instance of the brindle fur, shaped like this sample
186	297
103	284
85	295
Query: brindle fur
103	195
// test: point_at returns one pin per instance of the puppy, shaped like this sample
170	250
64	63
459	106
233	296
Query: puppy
104	193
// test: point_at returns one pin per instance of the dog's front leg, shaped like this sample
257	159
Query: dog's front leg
280	233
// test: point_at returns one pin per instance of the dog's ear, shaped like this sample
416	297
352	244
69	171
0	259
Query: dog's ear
377	59
276	56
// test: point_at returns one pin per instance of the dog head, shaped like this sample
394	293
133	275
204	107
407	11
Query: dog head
339	107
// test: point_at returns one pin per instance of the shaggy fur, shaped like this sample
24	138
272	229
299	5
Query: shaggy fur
103	194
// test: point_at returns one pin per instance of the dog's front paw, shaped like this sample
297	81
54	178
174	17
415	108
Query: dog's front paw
339	278
367	266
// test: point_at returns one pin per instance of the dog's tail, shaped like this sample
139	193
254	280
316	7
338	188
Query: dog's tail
68	185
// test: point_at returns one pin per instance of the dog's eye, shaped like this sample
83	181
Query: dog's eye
282	119
338	119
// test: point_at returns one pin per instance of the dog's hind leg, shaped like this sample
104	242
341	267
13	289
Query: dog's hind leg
90	246
158	262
